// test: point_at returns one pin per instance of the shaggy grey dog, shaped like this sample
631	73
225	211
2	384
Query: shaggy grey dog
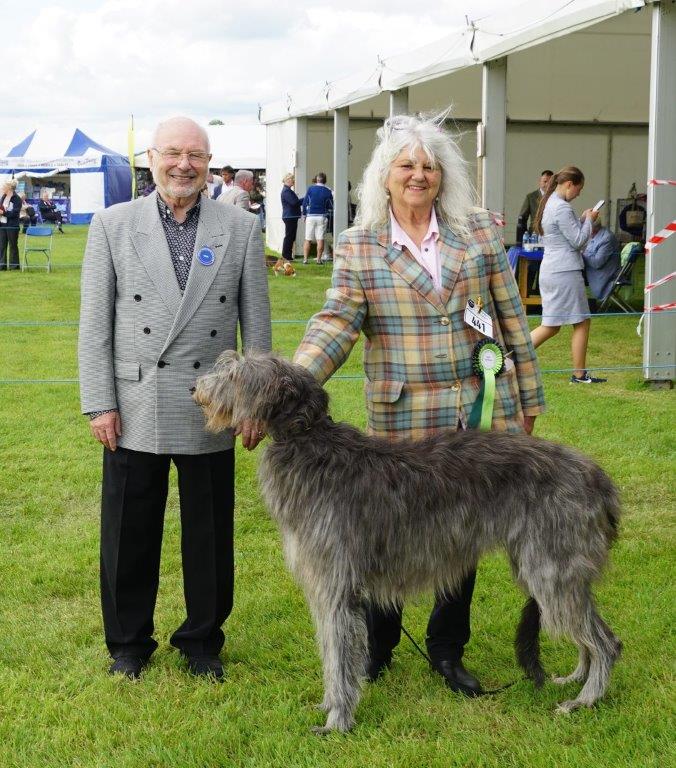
362	518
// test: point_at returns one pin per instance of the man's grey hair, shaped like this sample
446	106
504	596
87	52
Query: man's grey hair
243	175
426	132
180	119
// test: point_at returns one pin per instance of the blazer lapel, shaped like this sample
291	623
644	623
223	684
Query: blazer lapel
452	252
151	246
407	267
211	234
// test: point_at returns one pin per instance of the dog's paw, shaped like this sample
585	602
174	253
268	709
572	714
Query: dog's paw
566	707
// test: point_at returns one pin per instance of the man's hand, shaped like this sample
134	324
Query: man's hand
252	433
106	428
528	424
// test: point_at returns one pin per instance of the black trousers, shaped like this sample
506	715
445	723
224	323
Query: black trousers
290	230
9	237
448	628
134	495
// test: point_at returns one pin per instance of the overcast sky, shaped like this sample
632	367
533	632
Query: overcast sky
92	64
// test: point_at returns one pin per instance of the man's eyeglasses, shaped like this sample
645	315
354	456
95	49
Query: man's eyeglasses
194	158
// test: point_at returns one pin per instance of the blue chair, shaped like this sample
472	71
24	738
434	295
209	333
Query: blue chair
38	240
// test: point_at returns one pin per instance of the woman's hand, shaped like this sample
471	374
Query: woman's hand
590	213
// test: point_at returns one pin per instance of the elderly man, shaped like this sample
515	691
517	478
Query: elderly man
602	260
530	205
239	193
166	281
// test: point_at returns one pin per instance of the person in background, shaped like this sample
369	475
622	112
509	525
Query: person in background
10	211
403	276
351	204
227	181
602	260
291	213
214	182
238	193
49	211
27	217
167	282
530	206
316	207
562	289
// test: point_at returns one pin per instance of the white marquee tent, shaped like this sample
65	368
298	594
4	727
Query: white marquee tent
241	146
584	82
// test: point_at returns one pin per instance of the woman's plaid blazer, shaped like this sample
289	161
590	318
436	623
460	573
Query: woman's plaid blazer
418	350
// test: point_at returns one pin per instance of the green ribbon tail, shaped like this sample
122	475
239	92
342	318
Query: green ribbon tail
488	400
475	413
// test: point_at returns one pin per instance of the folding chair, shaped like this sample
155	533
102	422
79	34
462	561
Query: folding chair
38	240
623	279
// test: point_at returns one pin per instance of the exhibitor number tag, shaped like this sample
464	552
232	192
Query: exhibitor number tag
478	319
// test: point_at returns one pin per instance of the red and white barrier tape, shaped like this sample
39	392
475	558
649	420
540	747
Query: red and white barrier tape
661	307
662	235
661	182
661	281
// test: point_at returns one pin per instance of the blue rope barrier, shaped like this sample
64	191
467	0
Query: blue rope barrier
74	323
345	377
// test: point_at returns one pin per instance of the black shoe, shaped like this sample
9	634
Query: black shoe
61	229
457	678
129	666
206	665
376	667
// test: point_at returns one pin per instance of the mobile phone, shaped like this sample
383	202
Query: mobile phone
599	205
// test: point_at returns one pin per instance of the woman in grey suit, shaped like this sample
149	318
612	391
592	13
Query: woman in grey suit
564	300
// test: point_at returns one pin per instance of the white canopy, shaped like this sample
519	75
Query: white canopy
241	146
501	34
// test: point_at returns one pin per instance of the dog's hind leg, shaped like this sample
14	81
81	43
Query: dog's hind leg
579	674
344	645
595	639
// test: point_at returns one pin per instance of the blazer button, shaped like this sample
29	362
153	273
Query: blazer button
161	364
222	299
445	321
212	334
137	297
456	386
146	330
196	364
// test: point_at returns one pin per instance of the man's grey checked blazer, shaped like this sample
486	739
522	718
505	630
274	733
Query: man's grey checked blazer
142	344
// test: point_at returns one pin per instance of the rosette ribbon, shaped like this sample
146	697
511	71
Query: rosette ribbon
488	361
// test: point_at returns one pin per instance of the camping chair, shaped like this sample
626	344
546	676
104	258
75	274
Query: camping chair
38	240
630	254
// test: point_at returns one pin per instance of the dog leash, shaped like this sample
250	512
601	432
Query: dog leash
429	661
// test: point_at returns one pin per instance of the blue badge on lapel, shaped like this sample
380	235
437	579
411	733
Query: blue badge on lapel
206	257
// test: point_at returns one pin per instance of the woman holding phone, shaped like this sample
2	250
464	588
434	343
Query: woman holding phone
564	299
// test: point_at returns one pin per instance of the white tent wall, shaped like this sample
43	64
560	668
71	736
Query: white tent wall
87	192
283	152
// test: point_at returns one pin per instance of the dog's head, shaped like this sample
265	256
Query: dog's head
285	398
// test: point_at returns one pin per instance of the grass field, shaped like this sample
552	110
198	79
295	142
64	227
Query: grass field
59	708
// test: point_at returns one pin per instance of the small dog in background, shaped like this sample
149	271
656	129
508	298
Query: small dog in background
365	519
283	267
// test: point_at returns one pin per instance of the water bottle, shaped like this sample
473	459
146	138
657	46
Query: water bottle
525	242
534	241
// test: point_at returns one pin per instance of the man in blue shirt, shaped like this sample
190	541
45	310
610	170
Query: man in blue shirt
602	260
317	205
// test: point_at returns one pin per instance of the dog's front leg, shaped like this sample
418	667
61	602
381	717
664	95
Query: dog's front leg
344	645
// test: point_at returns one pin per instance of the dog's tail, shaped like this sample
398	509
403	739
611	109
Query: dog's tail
527	643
